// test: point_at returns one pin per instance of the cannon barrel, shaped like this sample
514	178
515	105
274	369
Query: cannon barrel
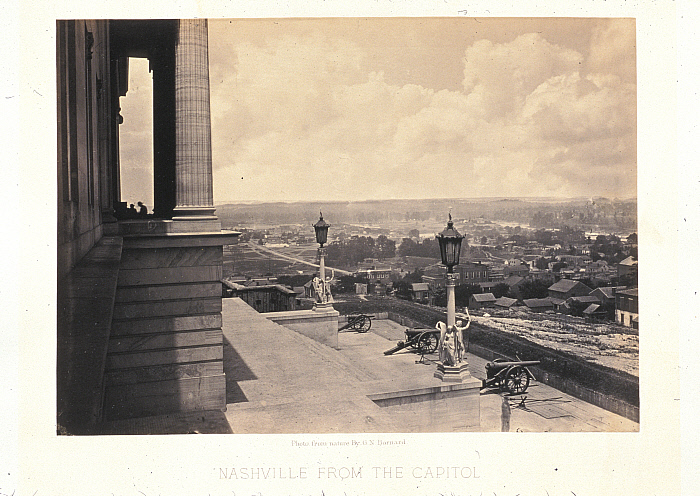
504	365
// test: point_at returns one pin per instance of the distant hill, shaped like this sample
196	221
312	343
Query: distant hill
547	212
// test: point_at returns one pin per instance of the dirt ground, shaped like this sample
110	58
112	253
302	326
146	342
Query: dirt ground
609	344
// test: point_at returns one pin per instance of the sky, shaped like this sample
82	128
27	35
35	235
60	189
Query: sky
410	108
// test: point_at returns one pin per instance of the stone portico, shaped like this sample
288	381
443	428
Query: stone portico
152	343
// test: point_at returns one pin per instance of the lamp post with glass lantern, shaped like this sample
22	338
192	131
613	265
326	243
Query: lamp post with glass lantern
450	241
453	369
321	228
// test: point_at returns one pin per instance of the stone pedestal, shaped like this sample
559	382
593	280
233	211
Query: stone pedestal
455	374
323	307
319	325
445	408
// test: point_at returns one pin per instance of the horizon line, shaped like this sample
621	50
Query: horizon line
482	198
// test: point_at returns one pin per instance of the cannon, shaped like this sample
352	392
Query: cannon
509	376
359	323
424	341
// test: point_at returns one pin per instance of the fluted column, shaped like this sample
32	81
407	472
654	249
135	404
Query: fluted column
193	168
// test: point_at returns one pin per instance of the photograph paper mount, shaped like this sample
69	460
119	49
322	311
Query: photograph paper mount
555	464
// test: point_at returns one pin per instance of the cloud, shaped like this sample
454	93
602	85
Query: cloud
612	49
300	117
502	75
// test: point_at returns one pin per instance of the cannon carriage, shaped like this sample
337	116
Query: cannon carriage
423	341
358	323
511	377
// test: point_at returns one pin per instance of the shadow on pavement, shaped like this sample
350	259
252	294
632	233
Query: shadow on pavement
236	371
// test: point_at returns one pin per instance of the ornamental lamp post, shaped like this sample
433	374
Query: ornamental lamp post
452	366
321	228
450	241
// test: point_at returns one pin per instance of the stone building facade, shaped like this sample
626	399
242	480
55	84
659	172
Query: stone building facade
139	300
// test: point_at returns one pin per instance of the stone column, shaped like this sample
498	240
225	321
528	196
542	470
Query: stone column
164	142
193	168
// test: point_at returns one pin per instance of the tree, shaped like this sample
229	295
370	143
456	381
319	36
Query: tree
609	308
632	239
402	289
427	248
294	280
415	276
558	266
534	289
500	289
414	233
385	247
346	284
407	247
464	291
577	307
542	263
543	236
518	239
440	297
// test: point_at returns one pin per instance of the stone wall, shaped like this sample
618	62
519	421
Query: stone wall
166	347
319	325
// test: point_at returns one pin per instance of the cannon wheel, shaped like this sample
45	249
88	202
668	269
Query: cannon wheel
362	323
517	380
428	342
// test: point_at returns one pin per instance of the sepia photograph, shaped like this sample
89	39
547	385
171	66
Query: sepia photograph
347	225
319	248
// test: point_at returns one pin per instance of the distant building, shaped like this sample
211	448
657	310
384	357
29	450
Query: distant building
268	298
606	294
536	274
538	304
482	300
574	260
434	276
496	272
559	304
514	283
472	273
516	270
583	299
487	287
505	303
627	267
627	307
419	292
374	273
594	312
566	288
580	300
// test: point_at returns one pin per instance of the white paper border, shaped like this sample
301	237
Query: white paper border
605	463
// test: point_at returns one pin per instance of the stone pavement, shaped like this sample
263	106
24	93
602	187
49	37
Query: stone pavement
279	381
